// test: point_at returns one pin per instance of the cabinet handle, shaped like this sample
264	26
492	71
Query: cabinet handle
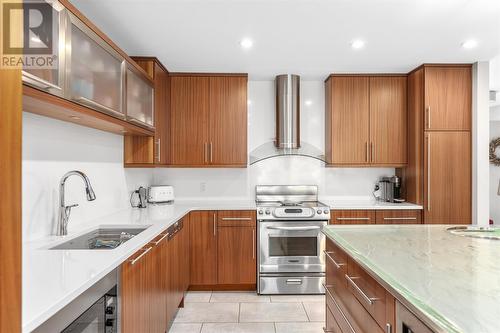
338	307
158	149
38	82
338	265
161	239
236	219
428	113
428	173
366	152
388	328
353	218
369	300
205	152
372	155
211	152
215	225
133	261
399	218
253	243
99	107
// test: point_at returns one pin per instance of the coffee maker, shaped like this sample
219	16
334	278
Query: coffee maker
389	189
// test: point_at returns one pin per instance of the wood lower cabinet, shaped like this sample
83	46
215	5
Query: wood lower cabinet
352	217
203	247
399	216
366	120
447	178
208	120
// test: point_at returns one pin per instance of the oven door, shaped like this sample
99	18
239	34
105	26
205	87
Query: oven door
291	246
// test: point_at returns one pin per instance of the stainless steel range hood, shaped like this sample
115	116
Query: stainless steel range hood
287	140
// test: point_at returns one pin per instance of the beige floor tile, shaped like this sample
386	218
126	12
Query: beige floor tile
197	296
271	312
299	327
315	311
297	298
208	312
185	328
238	297
238	328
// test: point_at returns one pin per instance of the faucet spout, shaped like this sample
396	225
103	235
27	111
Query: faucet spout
65	211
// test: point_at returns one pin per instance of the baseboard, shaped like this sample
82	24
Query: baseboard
223	287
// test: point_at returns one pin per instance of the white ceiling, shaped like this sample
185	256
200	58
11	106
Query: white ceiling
307	37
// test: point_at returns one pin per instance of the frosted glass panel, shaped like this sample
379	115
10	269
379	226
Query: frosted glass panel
139	98
95	72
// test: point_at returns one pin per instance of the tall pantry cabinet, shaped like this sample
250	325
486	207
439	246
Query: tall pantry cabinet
438	175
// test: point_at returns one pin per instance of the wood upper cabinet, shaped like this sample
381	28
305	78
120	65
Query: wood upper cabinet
366	120
189	130
236	248
144	150
208	120
388	118
447	178
448	97
348	119
203	247
228	120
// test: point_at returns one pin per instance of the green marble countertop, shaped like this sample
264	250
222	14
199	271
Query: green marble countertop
451	282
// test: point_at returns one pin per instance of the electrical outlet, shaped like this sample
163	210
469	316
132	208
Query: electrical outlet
203	187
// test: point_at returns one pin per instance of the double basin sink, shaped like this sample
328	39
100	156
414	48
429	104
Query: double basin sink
103	238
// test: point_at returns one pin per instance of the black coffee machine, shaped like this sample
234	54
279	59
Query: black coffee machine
390	189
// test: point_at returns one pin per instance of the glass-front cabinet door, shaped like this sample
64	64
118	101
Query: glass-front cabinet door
45	50
140	96
95	71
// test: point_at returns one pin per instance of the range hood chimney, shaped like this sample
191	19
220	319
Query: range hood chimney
287	140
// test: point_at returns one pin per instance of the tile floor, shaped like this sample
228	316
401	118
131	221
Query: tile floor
247	312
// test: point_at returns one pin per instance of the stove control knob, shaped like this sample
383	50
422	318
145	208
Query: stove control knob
268	212
319	211
325	211
261	211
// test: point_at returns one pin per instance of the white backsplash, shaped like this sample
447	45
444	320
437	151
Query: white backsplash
50	149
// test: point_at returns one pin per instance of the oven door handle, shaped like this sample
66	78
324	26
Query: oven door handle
295	228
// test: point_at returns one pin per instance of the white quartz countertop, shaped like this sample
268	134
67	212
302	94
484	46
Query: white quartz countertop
53	278
451	282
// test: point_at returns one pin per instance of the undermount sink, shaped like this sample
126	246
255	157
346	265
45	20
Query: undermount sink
101	239
476	232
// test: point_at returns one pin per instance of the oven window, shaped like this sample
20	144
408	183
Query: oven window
293	246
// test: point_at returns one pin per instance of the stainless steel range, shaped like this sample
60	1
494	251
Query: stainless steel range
291	244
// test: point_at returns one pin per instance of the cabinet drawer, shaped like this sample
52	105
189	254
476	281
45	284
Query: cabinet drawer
369	293
331	324
236	218
336	264
399	217
352	217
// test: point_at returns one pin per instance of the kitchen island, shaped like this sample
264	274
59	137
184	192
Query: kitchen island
449	282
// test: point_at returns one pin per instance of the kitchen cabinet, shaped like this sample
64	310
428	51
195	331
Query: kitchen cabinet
447	178
208	120
366	120
203	248
151	151
51	80
141	305
439	171
95	70
448	97
140	99
236	248
352	217
398	216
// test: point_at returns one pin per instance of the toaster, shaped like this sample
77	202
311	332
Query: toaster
160	194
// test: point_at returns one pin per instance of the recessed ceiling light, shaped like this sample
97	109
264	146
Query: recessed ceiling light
246	43
357	44
469	44
308	102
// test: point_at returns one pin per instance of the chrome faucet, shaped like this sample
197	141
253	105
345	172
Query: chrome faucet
65	211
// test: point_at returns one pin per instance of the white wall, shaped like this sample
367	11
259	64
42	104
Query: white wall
240	183
50	149
494	178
